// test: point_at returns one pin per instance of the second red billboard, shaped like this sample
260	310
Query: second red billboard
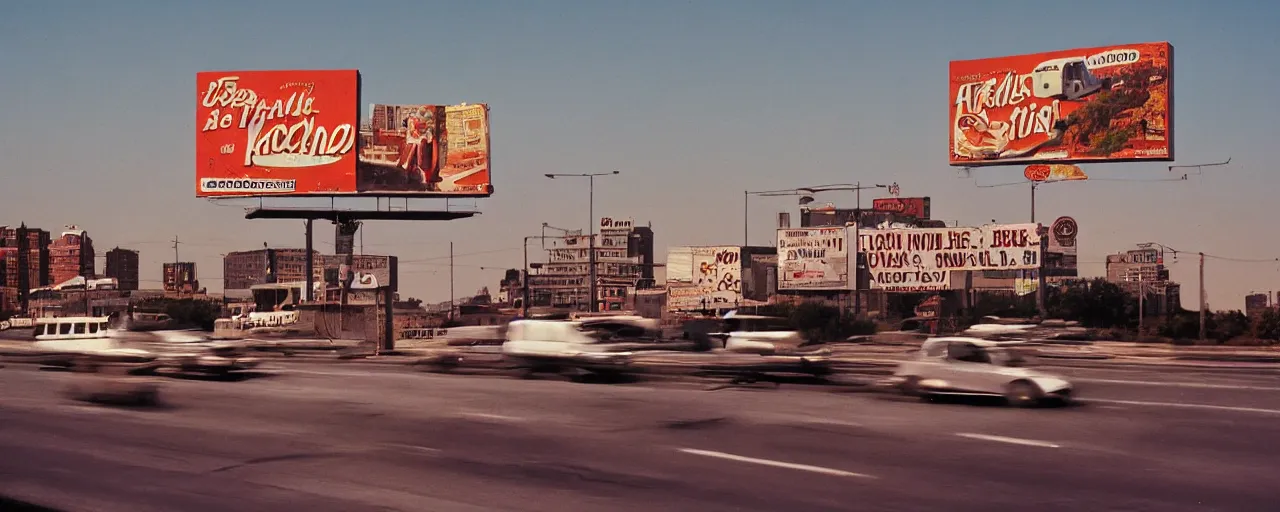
1110	103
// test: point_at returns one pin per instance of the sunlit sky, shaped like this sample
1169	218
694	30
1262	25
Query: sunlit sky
693	101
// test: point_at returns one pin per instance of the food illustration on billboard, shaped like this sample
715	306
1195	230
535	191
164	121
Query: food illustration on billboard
813	259
922	259
917	207
276	132
1109	103
1054	172
425	150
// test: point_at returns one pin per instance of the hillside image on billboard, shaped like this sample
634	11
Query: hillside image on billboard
425	150
1110	103
276	132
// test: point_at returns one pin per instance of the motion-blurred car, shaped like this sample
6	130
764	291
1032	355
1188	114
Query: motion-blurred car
68	341
974	366
555	345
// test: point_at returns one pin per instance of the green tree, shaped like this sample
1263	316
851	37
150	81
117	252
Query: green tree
1097	303
1266	326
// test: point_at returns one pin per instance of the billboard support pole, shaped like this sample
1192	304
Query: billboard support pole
388	320
310	267
1033	201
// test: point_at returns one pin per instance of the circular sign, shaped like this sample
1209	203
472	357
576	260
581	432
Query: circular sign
1036	172
1065	230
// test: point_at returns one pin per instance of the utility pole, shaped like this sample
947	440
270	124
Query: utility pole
591	241
857	252
524	283
1041	281
1202	297
451	294
176	286
1142	295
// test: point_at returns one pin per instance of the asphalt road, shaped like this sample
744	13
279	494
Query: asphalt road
364	437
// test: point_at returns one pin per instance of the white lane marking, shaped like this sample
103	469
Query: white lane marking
1010	440
828	422
413	447
487	416
1183	406
376	374
1179	384
773	463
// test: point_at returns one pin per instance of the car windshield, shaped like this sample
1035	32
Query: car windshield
614	331
1010	357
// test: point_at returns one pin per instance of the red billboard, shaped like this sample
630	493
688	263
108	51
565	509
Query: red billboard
917	207
1104	104
276	132
298	133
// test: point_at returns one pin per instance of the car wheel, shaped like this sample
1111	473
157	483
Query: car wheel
1023	394
910	386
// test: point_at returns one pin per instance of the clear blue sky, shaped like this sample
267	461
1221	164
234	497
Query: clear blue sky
694	101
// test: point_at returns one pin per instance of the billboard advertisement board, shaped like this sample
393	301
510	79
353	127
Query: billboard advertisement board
923	259
425	150
1062	257
298	133
276	132
1110	103
917	207
704	277
813	259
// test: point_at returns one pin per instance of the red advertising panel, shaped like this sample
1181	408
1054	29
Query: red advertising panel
1111	103
276	132
425	150
917	207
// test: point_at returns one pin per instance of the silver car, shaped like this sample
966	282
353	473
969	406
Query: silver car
974	366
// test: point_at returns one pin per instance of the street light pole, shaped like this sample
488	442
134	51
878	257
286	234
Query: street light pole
591	239
591	243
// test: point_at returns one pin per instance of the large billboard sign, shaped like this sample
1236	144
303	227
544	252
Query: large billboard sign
704	277
1111	103
425	150
813	259
298	133
276	132
923	259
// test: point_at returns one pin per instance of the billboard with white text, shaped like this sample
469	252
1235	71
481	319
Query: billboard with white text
813	259
923	259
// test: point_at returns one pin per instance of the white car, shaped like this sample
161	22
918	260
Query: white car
553	345
755	334
974	366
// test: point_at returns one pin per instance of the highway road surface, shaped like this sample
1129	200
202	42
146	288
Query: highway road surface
321	437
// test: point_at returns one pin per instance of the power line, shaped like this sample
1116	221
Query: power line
477	253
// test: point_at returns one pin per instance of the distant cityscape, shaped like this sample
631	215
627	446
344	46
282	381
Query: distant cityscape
38	270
